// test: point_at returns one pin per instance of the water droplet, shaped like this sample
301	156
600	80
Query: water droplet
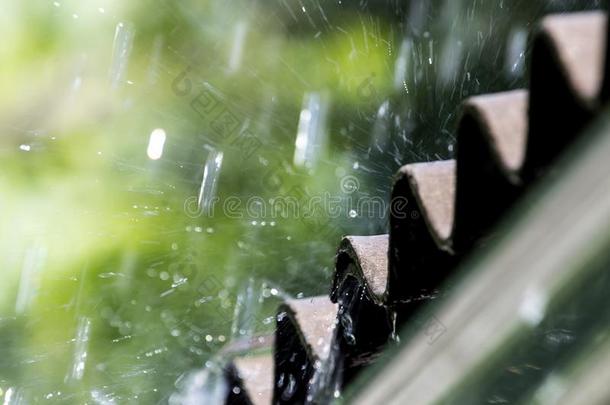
156	144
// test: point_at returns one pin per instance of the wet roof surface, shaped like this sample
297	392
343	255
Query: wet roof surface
452	209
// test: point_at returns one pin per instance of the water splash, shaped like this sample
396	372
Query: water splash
290	387
102	398
207	386
325	385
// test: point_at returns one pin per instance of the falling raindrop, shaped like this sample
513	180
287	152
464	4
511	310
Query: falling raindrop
123	42
209	181
311	133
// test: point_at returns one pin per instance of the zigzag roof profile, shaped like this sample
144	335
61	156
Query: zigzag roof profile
505	142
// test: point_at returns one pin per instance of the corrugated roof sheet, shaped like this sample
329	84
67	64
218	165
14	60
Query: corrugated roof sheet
505	142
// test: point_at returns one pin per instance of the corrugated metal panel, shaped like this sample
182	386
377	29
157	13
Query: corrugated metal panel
505	142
